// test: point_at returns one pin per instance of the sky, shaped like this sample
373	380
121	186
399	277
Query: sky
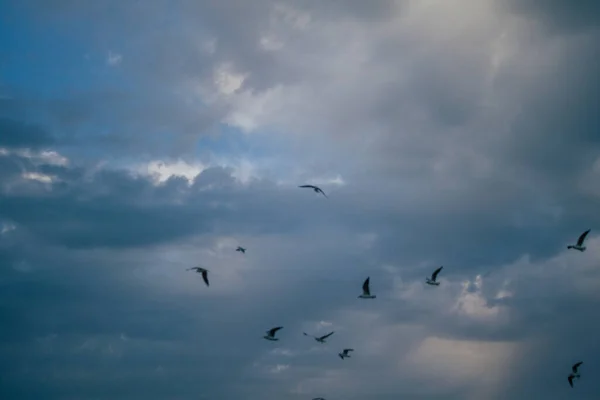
142	138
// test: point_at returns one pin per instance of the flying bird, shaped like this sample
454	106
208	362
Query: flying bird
575	374
271	333
344	354
432	280
243	250
202	271
320	339
315	188
366	290
318	398
579	246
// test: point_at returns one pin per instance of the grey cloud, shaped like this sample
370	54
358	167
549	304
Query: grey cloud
450	158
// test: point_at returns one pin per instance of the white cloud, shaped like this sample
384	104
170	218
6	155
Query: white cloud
35	176
227	80
270	43
161	170
48	157
279	368
6	227
113	59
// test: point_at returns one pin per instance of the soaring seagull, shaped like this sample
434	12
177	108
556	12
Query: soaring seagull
431	281
271	333
202	271
344	354
313	187
366	290
243	250
320	339
579	246
575	374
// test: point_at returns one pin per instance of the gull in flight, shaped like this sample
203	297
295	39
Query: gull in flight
575	374
313	187
431	281
243	250
579	246
202	271
344	354
366	294
320	339
271	333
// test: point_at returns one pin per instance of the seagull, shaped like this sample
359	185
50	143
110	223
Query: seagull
344	354
320	339
579	246
271	333
202	271
431	281
243	250
366	291
575	374
316	189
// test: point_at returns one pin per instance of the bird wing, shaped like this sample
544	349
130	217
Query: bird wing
323	193
570	378
365	287
307	186
273	330
346	351
326	336
435	273
582	237
205	277
575	366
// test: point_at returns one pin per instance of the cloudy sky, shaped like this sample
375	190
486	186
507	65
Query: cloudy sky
141	138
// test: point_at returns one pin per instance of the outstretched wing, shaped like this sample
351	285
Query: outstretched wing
570	378
435	273
273	330
321	191
308	186
346	351
205	277
582	237
575	366
365	287
326	336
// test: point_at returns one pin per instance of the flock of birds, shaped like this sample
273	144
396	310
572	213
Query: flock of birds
366	294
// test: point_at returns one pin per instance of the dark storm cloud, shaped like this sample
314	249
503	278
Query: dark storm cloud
561	15
18	134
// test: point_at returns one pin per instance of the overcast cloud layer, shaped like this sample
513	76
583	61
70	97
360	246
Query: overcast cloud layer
141	138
